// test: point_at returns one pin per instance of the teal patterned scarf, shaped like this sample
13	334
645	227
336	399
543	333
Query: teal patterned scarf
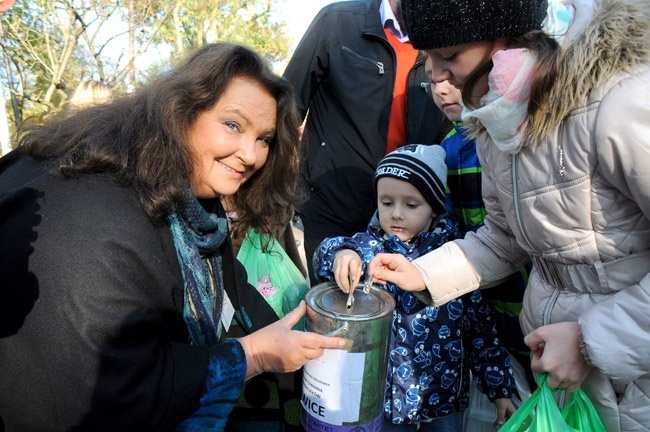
198	236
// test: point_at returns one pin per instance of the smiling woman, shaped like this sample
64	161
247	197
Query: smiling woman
121	305
232	138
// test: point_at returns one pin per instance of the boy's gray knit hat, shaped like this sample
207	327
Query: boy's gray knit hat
443	23
421	165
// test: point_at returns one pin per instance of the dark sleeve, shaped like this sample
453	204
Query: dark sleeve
363	243
105	342
323	260
489	359
226	372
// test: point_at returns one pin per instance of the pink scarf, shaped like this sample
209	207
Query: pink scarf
504	107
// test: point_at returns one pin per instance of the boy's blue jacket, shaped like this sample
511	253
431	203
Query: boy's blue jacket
431	349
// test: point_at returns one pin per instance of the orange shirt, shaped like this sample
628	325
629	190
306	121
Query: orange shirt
405	55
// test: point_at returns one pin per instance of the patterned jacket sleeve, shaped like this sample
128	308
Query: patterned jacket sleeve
489	359
226	372
364	244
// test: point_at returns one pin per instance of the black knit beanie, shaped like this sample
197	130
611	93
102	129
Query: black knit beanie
421	165
443	23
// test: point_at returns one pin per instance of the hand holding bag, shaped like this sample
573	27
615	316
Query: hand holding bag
540	413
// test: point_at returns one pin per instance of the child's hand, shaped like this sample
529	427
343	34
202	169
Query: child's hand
505	410
347	269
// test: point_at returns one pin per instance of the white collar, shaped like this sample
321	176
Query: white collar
389	21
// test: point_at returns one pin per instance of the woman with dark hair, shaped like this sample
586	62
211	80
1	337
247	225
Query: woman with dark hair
121	304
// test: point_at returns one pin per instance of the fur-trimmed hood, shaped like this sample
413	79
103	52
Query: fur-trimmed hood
615	40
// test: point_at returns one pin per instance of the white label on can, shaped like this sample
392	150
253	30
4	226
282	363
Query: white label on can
331	386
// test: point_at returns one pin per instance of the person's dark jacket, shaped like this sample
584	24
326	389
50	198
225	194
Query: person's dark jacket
343	71
91	294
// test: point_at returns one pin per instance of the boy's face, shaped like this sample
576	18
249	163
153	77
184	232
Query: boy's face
402	209
446	96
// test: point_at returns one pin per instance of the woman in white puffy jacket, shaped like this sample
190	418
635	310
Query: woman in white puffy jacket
563	133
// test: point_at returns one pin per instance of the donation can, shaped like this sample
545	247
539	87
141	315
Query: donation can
343	390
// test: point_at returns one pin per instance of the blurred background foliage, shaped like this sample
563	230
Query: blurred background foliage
49	46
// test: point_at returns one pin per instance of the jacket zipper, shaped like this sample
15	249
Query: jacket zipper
380	65
551	303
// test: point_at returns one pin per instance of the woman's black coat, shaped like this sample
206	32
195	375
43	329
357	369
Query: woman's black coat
91	294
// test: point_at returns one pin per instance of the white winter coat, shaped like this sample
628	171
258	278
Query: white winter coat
578	203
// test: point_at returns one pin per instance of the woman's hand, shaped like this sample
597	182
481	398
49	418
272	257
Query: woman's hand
277	348
397	269
505	410
556	351
347	269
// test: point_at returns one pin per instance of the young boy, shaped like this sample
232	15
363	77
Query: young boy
431	348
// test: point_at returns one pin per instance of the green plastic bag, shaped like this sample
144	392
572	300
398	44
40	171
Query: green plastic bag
539	413
273	273
580	413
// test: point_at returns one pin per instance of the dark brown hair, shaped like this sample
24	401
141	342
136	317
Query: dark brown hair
142	140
